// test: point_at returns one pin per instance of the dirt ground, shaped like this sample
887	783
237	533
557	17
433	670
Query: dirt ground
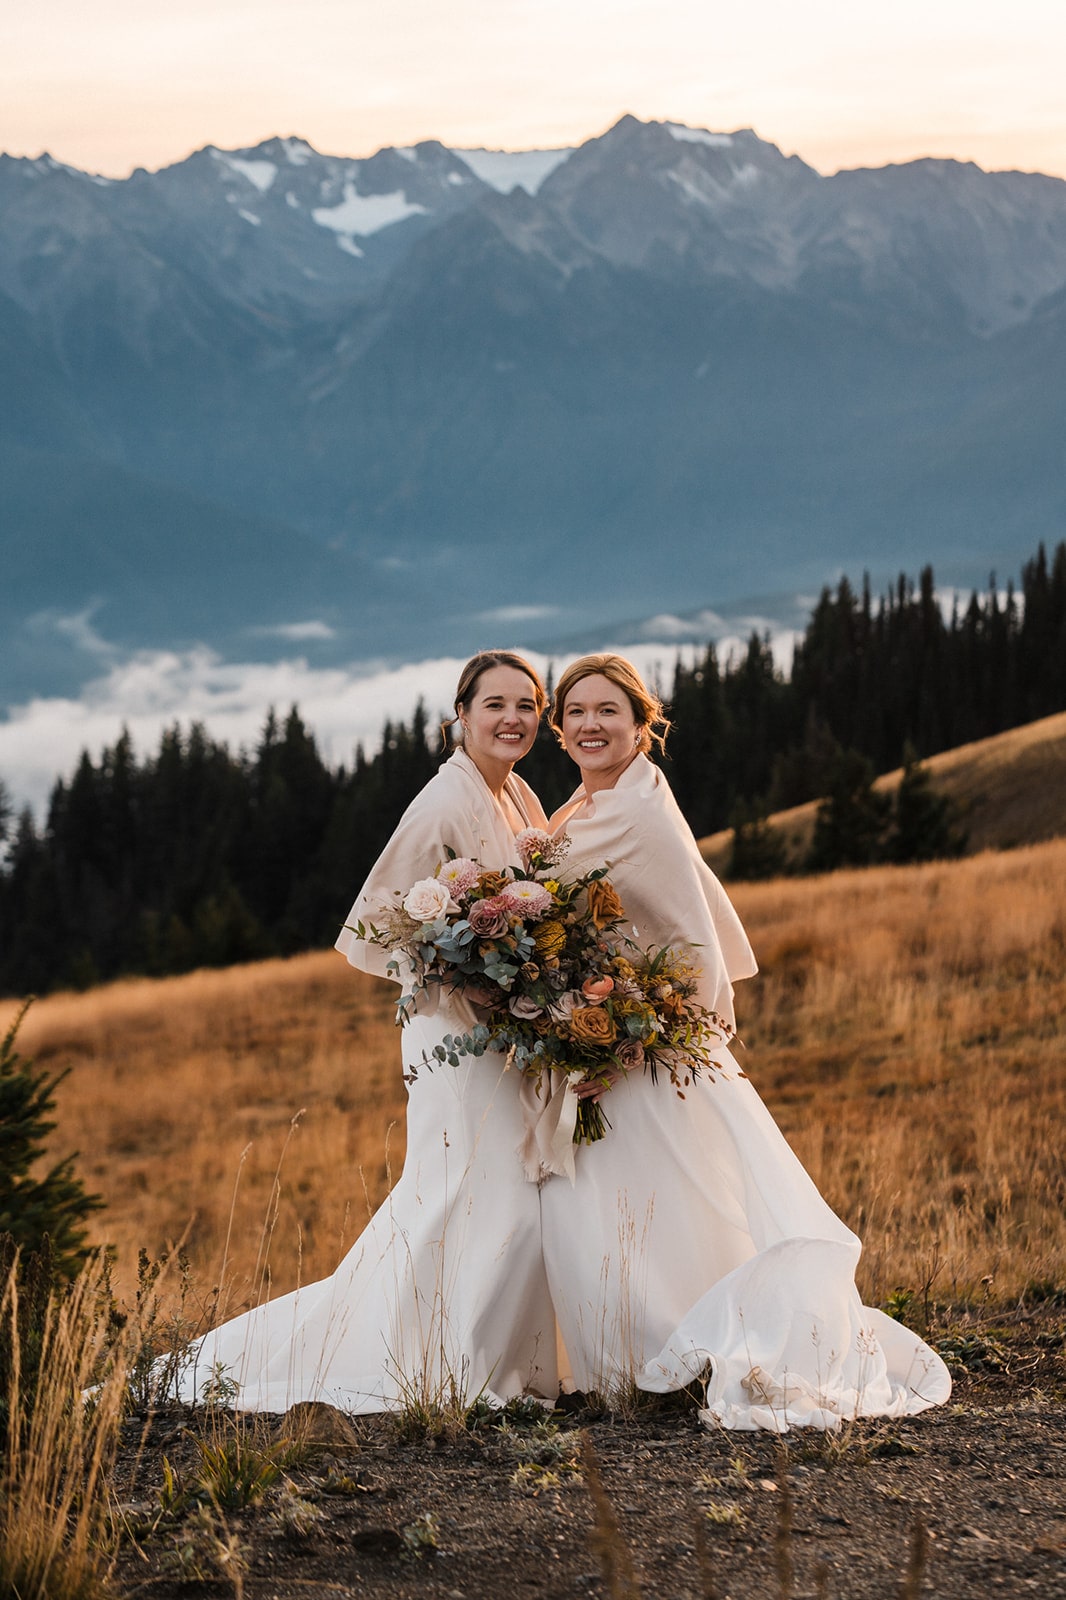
960	1503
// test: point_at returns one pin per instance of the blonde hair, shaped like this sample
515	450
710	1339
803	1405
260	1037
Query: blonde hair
651	719
471	675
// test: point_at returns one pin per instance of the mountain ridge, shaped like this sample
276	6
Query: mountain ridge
668	341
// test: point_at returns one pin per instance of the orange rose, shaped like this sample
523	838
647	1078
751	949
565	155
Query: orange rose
592	1025
597	988
604	904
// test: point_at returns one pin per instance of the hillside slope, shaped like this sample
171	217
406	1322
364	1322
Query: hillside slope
1010	791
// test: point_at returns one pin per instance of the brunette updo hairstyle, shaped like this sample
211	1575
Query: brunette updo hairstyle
652	721
471	676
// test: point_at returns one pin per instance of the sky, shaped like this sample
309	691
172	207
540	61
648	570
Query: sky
125	83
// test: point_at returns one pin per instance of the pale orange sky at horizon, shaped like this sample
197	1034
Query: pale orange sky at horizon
129	83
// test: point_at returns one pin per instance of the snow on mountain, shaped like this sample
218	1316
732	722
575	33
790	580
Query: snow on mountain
686	135
505	170
260	174
367	213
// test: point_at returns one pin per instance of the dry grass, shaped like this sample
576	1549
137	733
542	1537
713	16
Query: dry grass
1009	790
57	1534
182	1097
905	1030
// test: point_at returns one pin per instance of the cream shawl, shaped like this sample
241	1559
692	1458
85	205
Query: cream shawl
670	894
456	813
671	898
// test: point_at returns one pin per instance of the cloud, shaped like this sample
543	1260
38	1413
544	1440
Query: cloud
518	613
295	632
150	690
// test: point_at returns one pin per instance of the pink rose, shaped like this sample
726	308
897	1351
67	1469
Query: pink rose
525	1008
562	1007
630	1055
488	918
597	988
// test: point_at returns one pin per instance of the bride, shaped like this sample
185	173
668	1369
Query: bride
444	1295
691	1238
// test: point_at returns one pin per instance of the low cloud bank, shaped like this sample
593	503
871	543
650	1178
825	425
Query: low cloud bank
149	691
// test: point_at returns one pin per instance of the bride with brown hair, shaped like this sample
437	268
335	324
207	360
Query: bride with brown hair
691	1242
444	1294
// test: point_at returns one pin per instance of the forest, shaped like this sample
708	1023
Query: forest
198	856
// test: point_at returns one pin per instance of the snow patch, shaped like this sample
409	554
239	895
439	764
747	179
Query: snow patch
690	190
408	152
260	174
297	152
250	216
366	213
291	200
505	170
717	141
347	243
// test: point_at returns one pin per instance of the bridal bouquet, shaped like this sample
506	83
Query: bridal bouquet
550	973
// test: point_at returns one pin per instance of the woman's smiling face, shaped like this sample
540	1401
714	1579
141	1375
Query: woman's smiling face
601	732
501	719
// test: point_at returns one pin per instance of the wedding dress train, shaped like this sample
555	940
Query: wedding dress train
444	1294
693	1245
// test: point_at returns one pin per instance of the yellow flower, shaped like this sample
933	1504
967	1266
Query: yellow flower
549	938
604	904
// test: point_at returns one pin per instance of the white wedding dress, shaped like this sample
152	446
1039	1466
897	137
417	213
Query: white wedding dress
444	1295
692	1243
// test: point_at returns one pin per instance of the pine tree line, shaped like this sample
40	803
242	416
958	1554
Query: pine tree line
195	856
866	678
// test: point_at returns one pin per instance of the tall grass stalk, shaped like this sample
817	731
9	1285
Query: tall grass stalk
57	1535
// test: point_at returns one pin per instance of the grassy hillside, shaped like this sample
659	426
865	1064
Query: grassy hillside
1010	790
905	1030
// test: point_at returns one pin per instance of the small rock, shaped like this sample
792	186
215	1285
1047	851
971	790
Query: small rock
315	1424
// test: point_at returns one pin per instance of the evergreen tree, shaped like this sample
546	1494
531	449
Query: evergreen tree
53	1207
925	822
758	851
850	825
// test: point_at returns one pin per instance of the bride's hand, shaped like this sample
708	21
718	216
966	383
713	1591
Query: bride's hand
594	1088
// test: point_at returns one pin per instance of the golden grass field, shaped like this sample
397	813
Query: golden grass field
907	1030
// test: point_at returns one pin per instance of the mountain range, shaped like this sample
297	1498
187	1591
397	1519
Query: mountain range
432	399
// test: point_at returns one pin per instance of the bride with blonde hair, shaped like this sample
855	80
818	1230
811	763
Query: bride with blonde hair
691	1242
